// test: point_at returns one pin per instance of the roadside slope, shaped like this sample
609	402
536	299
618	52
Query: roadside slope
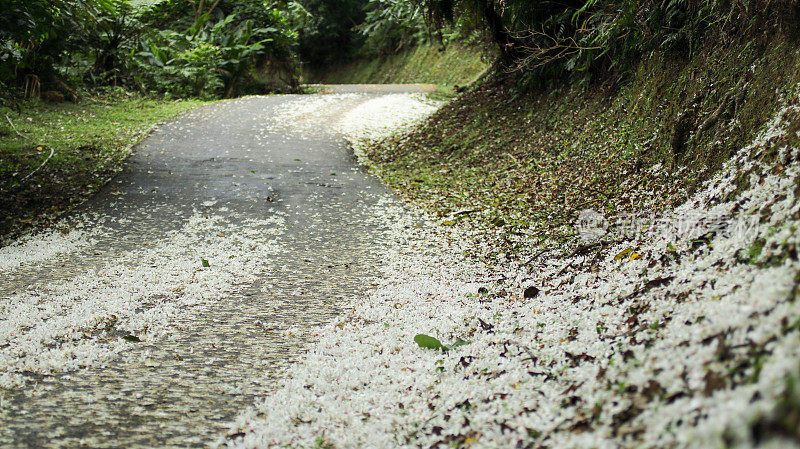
513	163
455	64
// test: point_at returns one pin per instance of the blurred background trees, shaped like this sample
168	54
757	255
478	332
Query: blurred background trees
330	35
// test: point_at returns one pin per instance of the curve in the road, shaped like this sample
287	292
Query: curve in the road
263	190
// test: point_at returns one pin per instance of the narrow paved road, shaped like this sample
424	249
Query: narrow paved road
262	189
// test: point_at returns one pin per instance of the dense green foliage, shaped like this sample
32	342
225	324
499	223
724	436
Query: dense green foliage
226	47
217	52
170	47
33	32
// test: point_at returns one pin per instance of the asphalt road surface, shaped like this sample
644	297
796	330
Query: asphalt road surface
244	162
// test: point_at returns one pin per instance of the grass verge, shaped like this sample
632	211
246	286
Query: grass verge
88	141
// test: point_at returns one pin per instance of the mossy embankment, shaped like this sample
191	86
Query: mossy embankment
455	64
513	162
55	155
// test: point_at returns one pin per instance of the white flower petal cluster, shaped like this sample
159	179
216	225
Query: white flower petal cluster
79	321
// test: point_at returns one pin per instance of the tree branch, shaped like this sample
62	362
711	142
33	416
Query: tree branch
40	166
13	127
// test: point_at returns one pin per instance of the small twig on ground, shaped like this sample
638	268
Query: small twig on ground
40	166
13	127
516	161
584	249
527	350
535	256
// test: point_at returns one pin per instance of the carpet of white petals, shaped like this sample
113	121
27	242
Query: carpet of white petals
30	249
684	335
384	116
76	323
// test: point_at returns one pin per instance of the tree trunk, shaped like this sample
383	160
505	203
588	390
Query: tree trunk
509	47
231	87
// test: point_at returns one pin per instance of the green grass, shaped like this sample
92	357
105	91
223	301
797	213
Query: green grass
429	64
89	143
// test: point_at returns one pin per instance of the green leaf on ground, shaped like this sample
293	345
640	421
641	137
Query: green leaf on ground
205	263
428	342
